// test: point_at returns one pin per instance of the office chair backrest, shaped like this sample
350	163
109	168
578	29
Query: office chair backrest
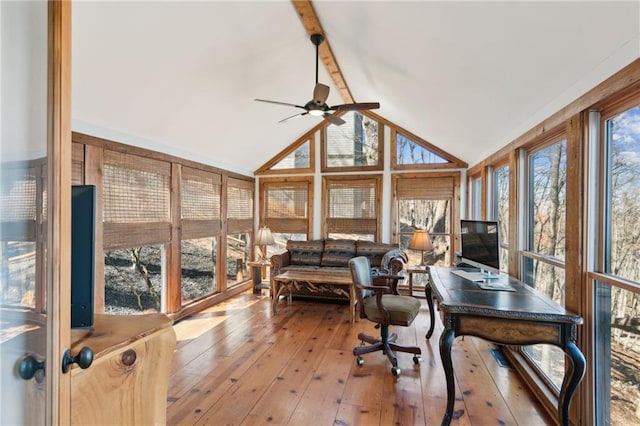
360	275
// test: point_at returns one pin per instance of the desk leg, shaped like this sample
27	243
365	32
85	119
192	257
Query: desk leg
571	380
446	341
432	315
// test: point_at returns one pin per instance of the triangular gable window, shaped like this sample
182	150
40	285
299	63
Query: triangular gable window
411	152
297	158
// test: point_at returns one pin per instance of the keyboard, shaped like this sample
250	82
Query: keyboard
481	280
471	276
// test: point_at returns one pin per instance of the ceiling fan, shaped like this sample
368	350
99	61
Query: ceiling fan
318	105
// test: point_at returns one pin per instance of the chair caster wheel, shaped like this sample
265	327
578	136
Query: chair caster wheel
395	371
417	359
360	361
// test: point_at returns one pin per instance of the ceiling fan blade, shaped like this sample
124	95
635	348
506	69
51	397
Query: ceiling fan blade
293	116
320	94
333	119
279	103
359	106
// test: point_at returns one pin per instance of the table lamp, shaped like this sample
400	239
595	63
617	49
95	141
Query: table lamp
420	240
264	238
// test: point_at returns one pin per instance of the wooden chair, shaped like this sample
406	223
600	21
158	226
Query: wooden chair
383	305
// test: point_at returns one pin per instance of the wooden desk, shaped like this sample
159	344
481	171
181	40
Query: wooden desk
289	279
520	317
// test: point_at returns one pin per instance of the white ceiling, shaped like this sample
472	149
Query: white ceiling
469	77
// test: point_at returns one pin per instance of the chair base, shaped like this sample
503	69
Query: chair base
386	344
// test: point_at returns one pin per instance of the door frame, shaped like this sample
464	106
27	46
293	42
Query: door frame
58	288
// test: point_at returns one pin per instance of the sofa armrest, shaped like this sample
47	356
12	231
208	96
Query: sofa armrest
279	261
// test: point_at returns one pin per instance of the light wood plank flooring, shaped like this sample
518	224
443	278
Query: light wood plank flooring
237	364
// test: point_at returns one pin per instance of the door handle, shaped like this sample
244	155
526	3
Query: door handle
83	359
28	368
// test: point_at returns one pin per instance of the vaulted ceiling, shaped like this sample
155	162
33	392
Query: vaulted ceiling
468	77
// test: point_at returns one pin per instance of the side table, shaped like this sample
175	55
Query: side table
258	271
427	292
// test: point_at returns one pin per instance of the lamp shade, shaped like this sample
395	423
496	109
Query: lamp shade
264	237
420	240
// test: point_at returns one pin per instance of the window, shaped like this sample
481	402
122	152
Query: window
354	145
543	260
352	207
617	292
501	212
410	152
136	229
200	198
286	209
238	256
299	157
426	203
133	280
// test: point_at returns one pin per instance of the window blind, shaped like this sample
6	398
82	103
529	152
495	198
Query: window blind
239	205
135	200
200	203
425	188
352	206
287	207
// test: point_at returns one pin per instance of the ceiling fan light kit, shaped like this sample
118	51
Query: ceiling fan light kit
317	106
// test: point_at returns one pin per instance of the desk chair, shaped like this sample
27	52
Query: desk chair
383	305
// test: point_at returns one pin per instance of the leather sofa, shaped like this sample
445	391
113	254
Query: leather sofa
328	255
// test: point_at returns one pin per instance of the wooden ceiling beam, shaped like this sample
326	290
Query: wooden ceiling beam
312	25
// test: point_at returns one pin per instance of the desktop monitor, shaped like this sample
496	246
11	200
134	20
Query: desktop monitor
480	244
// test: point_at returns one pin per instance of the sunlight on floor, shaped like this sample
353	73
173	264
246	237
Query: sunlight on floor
192	328
205	320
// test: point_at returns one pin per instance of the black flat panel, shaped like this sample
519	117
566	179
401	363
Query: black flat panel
83	200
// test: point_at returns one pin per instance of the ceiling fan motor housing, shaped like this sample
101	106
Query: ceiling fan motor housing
317	39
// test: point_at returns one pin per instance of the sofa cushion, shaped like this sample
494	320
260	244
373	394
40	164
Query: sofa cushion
373	251
305	252
338	252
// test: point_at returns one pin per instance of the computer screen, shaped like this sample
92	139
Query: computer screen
480	244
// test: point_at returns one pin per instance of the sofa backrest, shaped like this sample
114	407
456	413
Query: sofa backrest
338	252
307	253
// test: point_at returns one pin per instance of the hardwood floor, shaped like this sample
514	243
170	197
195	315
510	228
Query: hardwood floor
237	364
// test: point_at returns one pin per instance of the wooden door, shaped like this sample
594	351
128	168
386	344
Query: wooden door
35	185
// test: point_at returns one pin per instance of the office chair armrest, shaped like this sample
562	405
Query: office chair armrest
378	289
